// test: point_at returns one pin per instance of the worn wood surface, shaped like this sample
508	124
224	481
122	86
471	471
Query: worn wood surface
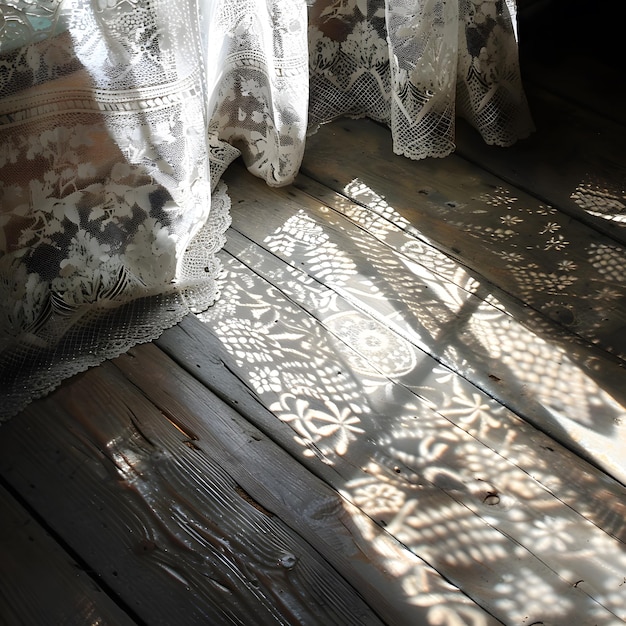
406	408
415	300
151	509
41	583
435	306
472	555
541	257
578	485
349	540
588	184
387	409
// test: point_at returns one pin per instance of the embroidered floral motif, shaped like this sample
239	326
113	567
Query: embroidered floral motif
115	128
437	59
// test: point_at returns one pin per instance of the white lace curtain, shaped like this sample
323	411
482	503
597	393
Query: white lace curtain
118	118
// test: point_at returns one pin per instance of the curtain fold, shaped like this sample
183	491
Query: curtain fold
118	118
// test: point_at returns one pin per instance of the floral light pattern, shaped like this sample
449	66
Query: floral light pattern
432	457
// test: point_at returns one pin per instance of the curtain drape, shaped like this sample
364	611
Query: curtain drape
118	118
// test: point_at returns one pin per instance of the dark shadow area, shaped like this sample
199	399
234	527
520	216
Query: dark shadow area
551	30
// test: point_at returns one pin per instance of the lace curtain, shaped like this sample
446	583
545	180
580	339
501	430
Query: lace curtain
118	118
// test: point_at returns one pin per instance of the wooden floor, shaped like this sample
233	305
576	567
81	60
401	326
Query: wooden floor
407	407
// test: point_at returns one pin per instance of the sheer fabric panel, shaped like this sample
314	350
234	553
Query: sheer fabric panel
118	118
108	234
417	64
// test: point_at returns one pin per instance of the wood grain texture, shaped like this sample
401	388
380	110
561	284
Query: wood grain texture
575	161
396	454
468	327
469	553
574	482
459	208
375	564
136	492
40	584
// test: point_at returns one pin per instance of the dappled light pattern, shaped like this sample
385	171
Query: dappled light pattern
453	500
602	199
334	333
438	307
534	254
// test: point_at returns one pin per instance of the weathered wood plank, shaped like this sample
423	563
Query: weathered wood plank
397	447
544	259
40	584
139	495
566	388
399	586
579	486
444	529
575	161
312	296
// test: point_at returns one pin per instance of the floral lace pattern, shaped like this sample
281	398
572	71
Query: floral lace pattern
415	65
118	118
108	235
261	96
